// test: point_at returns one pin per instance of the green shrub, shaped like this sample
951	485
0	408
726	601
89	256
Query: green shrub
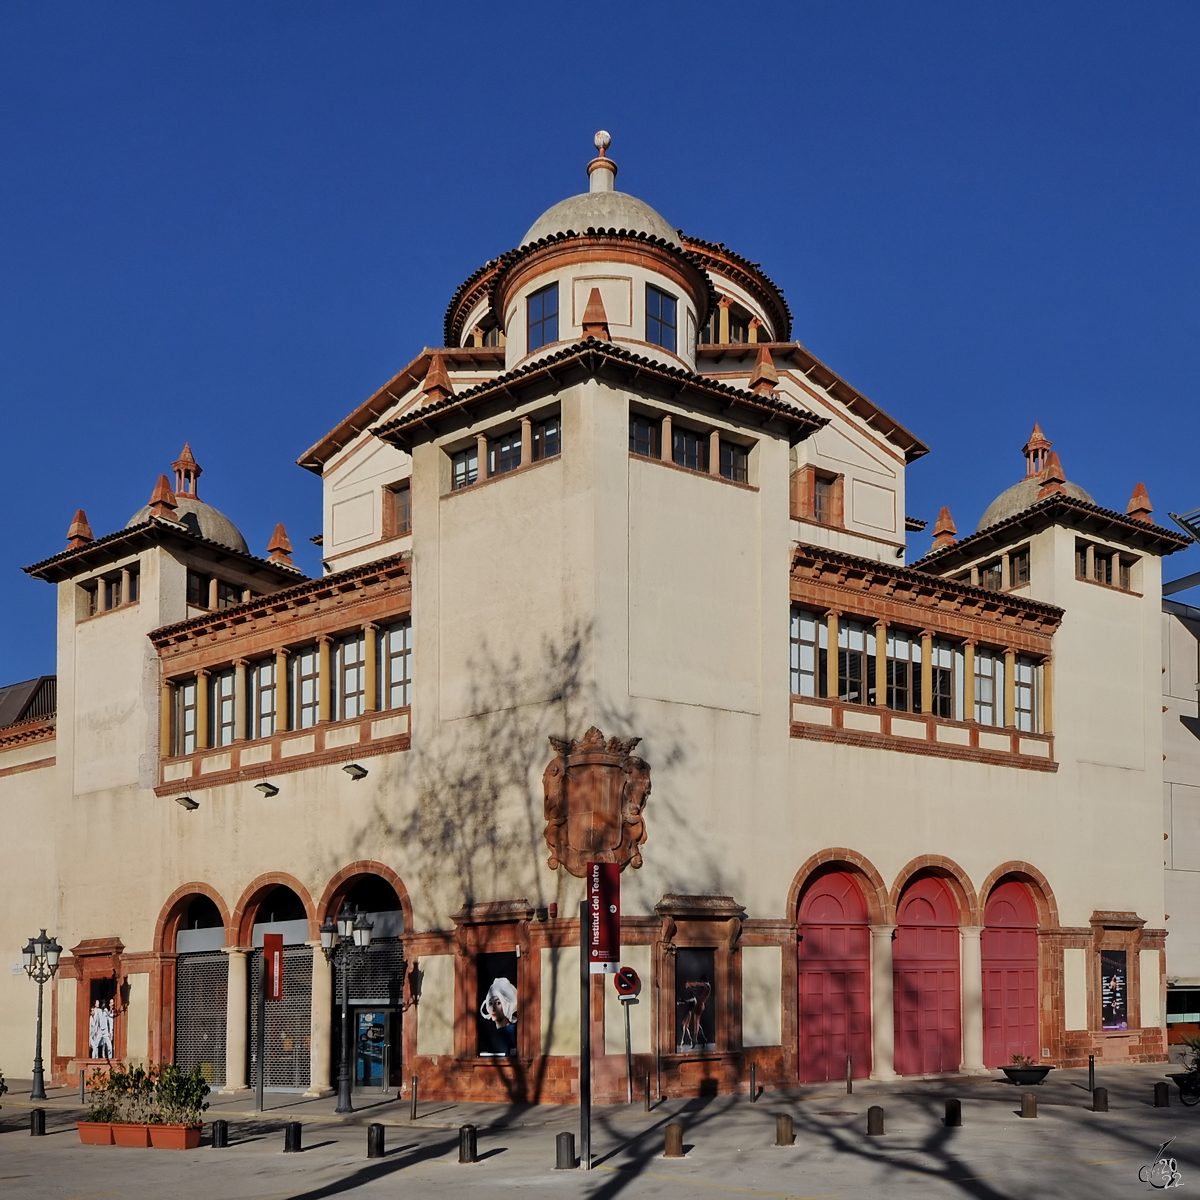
151	1095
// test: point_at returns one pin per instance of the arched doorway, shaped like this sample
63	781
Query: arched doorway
834	978
1010	975
375	986
927	990
201	989
280	910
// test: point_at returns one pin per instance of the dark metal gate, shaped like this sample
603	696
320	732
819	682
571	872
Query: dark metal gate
289	1021
201	991
376	980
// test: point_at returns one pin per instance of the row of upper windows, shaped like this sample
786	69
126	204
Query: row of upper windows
691	448
1011	570
505	452
1102	564
541	318
111	591
951	694
208	711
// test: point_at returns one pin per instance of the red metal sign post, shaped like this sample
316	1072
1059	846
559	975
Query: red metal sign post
604	917
271	988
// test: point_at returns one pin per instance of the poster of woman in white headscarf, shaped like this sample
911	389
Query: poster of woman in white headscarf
497	1010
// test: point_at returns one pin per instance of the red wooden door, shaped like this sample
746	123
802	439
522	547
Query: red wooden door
835	976
1010	976
927	995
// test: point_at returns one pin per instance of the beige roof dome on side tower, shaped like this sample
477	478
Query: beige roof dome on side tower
601	207
191	511
1023	495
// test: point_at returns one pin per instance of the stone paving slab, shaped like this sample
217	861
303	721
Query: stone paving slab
1067	1151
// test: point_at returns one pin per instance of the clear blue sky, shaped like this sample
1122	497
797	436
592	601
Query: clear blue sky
230	222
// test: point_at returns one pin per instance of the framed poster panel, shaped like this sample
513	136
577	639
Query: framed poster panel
1114	989
695	1012
496	1010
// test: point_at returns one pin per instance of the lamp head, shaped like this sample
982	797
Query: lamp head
28	954
362	930
328	933
355	771
53	953
345	922
267	789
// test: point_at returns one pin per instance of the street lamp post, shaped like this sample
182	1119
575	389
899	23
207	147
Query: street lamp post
349	934
40	958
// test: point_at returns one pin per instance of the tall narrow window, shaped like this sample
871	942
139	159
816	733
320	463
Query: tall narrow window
943	680
1024	698
91	598
660	318
504	453
541	318
547	438
185	718
306	683
1080	561
135	580
352	677
856	663
402	509
228	594
903	671
197	589
823	500
690	449
263	706
735	462
1018	568
1126	576
989	687
643	436
112	593
222	705
395	661
991	576
464	468
808	641
1103	564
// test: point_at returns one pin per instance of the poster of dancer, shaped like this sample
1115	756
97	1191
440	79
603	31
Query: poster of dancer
496	1019
695	1012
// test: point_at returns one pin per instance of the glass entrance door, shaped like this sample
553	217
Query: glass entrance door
373	1047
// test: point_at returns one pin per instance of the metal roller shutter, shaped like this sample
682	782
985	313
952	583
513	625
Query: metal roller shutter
201	990
289	1021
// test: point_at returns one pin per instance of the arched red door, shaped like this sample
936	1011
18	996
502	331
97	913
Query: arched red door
1010	975
927	992
835	979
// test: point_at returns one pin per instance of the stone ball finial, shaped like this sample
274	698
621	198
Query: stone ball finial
602	141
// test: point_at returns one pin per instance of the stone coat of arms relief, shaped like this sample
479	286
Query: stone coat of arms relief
596	791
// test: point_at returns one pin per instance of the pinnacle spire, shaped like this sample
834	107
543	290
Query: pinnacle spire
187	473
595	319
1052	476
162	500
437	385
764	377
1035	451
1139	506
279	549
944	530
80	532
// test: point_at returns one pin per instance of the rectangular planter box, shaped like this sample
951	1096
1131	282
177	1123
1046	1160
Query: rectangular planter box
94	1133
131	1135
175	1137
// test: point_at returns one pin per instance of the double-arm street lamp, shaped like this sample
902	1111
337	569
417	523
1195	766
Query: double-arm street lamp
40	958
349	934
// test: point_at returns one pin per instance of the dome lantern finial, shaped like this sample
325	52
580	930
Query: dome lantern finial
1035	451
602	171
187	473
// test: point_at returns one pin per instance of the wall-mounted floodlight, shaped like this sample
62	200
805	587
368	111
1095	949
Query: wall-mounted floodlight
187	802
355	771
267	789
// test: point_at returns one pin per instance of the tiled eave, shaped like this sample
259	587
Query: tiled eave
154	531
716	256
26	733
475	358
1055	510
877	591
811	367
593	358
292	615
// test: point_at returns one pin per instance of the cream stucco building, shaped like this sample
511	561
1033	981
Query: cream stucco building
909	814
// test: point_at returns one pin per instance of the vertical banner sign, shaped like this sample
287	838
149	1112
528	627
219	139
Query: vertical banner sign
273	964
604	917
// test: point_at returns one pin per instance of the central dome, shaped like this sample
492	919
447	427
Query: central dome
201	519
601	210
1041	466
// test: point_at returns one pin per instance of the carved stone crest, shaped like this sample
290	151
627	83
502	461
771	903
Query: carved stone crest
596	790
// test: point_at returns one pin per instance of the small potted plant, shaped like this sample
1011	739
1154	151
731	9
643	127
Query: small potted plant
145	1106
179	1101
103	1109
1024	1072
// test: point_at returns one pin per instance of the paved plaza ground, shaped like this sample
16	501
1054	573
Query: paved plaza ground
1067	1151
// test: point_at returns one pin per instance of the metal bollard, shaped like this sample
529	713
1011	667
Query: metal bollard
564	1152
753	1082
1100	1100
1162	1095
468	1149
375	1141
784	1134
1091	1072
412	1112
291	1138
673	1142
849	1075
37	1122
220	1135
647	1091
1028	1104
82	1096
874	1121
953	1114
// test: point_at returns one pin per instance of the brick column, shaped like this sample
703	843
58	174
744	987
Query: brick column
167	702
832	678
239	700
370	668
526	441
1047	698
282	692
969	681
881	664
723	306
926	671
971	966
883	1015
237	1019
324	679
665	449
1010	688
714	453
201	710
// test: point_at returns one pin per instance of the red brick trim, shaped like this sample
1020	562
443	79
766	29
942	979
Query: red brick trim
27	733
1043	894
947	869
242	921
336	888
20	768
169	915
879	907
